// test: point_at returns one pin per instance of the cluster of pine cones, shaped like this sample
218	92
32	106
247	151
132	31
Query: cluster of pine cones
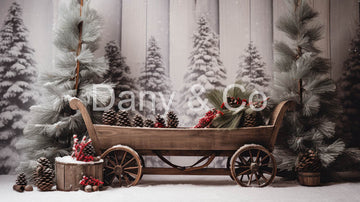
121	118
44	174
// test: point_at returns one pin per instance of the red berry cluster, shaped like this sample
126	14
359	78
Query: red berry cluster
208	118
78	149
159	125
90	181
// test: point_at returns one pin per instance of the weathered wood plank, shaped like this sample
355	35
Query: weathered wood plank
182	139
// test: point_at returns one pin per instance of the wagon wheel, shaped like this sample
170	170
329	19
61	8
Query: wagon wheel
124	163
253	165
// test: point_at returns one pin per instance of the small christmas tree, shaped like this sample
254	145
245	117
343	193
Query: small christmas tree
154	79
205	69
119	73
252	69
349	84
77	74
17	73
302	75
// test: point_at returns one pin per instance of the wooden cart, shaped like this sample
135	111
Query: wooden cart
250	162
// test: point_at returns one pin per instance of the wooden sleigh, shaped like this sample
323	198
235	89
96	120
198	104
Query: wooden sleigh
250	162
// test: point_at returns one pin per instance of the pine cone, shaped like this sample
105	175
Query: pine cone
149	123
138	121
109	117
308	162
45	179
123	118
252	119
160	120
44	162
89	150
21	179
172	120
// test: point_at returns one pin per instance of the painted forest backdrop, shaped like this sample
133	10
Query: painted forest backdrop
161	34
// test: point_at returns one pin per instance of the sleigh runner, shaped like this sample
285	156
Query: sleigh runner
250	162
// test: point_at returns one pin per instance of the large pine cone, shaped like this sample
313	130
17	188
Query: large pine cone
160	120
172	120
44	162
308	162
253	119
138	121
89	150
21	179
109	117
45	179
149	123
123	118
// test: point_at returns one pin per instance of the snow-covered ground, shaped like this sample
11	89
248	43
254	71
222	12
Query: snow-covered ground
190	188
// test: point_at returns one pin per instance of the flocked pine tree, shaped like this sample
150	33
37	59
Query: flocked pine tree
303	76
154	79
119	75
17	74
349	88
205	69
76	74
252	69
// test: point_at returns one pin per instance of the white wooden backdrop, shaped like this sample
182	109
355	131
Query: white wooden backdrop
172	22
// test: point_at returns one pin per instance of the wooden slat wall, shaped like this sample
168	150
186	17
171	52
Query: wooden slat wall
343	24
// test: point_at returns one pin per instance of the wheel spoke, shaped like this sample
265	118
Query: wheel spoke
262	175
109	179
251	157
267	156
257	156
244	172
242	159
127	180
130	173
257	179
249	182
123	158
133	158
131	168
109	167
116	158
112	162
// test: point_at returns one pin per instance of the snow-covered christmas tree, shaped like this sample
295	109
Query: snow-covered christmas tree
349	84
205	69
17	74
119	74
252	69
302	75
77	73
154	79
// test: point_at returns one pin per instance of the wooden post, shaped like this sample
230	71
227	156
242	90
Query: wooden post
68	175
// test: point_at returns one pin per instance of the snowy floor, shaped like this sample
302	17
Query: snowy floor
190	188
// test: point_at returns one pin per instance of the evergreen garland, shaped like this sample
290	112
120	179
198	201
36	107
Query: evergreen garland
17	74
302	75
77	71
